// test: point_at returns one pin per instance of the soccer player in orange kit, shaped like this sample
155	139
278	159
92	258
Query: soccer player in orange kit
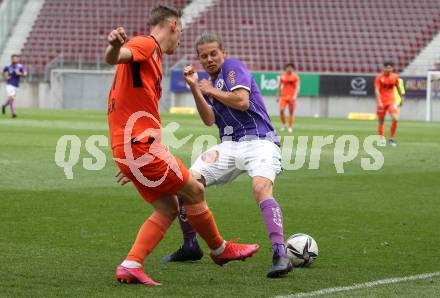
385	84
287	93
135	134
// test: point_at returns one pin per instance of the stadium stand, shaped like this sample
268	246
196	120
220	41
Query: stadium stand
318	35
75	32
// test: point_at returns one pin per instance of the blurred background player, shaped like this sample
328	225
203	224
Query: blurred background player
12	74
386	83
158	176
287	93
232	101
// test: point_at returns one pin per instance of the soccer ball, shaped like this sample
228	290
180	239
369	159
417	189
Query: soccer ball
302	250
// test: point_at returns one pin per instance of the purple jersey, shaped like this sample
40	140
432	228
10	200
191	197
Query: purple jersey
14	79
235	125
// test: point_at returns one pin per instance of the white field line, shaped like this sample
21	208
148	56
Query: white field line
365	285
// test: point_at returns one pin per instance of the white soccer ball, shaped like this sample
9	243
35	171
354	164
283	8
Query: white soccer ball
302	249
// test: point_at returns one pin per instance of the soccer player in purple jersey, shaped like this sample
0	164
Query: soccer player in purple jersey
232	101
12	74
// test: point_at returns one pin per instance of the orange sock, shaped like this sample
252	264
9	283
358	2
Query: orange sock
283	118
381	129
148	237
291	120
393	129
202	220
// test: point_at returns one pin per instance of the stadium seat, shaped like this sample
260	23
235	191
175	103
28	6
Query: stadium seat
358	33
77	30
353	35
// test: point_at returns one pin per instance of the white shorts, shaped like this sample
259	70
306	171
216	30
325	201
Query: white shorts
224	162
11	90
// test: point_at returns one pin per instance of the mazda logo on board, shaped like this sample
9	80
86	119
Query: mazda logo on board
358	86
358	83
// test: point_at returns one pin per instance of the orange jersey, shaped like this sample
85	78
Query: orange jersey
136	88
385	85
289	84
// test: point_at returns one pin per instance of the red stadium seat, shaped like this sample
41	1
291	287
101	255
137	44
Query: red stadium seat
92	20
363	32
318	35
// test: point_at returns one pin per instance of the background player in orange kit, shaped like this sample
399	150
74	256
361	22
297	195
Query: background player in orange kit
385	83
287	93
135	134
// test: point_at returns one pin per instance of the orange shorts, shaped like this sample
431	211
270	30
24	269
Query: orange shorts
160	173
287	102
391	108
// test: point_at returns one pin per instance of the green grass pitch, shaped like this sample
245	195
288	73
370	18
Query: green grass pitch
64	238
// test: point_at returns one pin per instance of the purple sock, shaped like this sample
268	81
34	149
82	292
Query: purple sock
189	234
7	103
12	107
273	219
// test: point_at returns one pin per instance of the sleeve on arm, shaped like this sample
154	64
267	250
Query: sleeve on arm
377	83
5	69
281	81
236	75
141	48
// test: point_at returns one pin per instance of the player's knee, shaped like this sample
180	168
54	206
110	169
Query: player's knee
198	177
199	191
262	188
196	192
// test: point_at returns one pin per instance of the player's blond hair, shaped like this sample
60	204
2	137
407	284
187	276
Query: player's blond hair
160	13
208	37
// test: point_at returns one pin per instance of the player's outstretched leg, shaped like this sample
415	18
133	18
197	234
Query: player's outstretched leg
190	249
149	235
202	220
273	220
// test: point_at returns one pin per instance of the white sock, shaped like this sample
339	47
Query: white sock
220	250
131	264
